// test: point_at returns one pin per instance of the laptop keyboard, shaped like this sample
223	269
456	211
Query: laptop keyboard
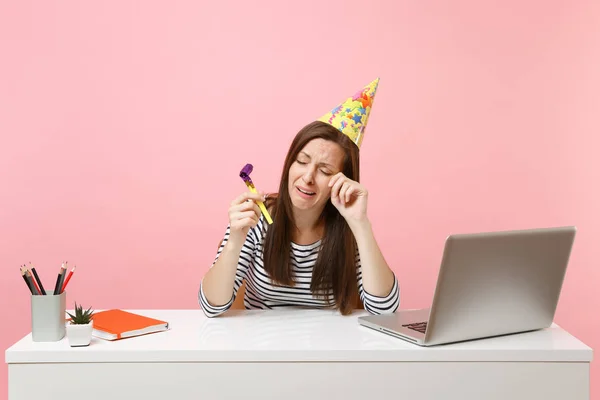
417	326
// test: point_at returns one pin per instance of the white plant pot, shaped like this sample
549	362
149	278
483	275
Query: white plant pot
79	335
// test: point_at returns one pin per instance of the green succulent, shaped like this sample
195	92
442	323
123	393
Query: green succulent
81	317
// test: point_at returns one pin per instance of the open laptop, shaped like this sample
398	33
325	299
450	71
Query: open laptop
489	284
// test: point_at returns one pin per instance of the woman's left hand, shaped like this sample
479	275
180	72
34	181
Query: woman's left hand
349	197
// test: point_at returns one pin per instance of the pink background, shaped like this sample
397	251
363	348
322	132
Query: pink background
124	126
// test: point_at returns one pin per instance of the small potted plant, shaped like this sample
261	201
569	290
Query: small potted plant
80	326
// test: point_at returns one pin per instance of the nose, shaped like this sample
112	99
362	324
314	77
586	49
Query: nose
308	176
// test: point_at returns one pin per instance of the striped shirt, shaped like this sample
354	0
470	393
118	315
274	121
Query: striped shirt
262	294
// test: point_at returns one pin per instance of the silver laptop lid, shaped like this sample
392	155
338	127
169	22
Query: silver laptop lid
498	283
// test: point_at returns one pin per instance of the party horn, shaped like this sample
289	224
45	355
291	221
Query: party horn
245	175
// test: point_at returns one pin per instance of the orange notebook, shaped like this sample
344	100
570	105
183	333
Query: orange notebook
119	324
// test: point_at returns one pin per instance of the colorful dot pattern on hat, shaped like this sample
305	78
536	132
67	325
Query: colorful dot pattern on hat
352	115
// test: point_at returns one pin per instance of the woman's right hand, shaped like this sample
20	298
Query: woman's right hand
244	214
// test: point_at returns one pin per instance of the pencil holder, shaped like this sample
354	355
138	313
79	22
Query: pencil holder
48	317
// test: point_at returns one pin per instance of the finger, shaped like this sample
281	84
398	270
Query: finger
238	208
336	201
247	196
336	187
350	191
255	217
256	211
343	192
240	199
246	206
335	178
253	207
243	216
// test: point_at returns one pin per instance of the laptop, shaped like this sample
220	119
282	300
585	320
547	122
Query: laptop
489	284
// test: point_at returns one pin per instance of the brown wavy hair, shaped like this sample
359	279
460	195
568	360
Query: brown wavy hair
335	268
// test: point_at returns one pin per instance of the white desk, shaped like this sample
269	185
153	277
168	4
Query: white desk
296	354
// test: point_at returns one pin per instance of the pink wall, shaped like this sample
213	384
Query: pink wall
124	128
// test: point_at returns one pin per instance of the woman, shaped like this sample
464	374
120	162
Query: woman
320	250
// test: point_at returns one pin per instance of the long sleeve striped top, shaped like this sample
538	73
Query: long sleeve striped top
261	294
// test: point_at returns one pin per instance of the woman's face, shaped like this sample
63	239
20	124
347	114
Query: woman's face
311	171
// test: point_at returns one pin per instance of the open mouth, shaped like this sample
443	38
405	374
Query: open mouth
305	192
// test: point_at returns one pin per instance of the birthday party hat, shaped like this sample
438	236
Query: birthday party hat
351	116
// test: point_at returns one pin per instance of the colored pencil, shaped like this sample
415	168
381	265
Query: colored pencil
59	279
37	278
27	281
68	278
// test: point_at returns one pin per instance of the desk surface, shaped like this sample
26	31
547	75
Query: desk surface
292	335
